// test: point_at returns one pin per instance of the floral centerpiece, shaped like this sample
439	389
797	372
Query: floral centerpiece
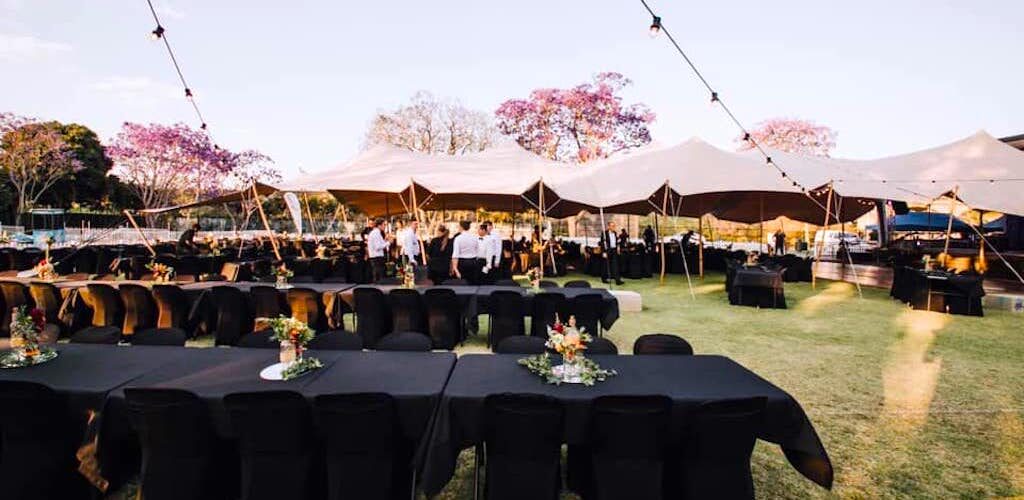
321	251
162	273
213	244
45	270
293	335
407	274
283	274
26	326
569	341
533	276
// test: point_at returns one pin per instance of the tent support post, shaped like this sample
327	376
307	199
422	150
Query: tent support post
849	256
700	246
760	216
664	209
607	263
817	246
540	216
266	224
309	215
131	219
949	226
416	217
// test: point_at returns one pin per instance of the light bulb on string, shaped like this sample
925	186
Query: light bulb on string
157	33
714	97
655	27
188	93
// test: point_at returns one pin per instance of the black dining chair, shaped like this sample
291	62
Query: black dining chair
408	313
367	456
266	302
507	282
182	457
548	284
336	340
275	442
444	318
307	306
717	444
523	447
520	344
107	315
173	308
159	336
373	317
602	346
546	306
587	307
37	459
47	298
661	343
507	313
139	308
577	284
108	335
15	295
455	282
259	339
628	445
404	341
232	316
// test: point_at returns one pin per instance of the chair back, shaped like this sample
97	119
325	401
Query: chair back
444	317
306	306
587	307
507	311
266	302
15	295
661	343
506	282
523	439
275	441
172	306
408	313
602	346
47	298
139	308
629	438
545	307
521	344
336	340
260	339
233	318
367	457
373	319
37	459
718	442
577	284
404	341
177	442
548	284
455	282
106	335
105	302
86	260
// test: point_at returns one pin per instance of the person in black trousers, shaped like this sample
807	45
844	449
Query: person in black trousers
610	243
439	256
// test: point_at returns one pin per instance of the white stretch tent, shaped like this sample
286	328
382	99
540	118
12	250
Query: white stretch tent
691	178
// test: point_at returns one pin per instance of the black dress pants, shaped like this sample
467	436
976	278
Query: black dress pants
376	269
611	270
470	270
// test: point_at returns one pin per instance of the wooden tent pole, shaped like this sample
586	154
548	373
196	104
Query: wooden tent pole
416	217
700	246
309	215
817	245
664	209
266	224
949	225
145	240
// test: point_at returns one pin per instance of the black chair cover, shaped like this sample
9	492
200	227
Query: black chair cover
15	295
404	341
266	302
577	284
520	344
507	282
408	313
587	309
275	442
661	343
455	282
139	309
105	303
548	284
444	318
306	306
602	346
110	335
173	307
232	315
159	336
337	340
506	309
523	439
373	319
545	307
629	438
47	298
717	445
261	339
366	455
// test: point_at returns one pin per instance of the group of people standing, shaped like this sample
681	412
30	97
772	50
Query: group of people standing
472	255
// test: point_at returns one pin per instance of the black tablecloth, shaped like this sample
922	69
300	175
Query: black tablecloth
938	291
754	286
687	380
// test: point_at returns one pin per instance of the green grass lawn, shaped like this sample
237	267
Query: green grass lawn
909	404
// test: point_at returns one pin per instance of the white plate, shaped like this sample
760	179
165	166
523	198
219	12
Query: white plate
274	371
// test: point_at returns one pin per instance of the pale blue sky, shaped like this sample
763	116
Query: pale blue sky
300	80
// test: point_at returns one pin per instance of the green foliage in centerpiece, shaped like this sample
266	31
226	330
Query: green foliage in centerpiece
296	333
590	372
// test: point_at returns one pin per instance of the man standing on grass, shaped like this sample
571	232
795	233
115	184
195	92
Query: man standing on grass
610	244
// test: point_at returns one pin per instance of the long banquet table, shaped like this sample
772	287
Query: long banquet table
94	377
687	380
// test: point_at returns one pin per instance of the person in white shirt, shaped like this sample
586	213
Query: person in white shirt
410	243
610	243
492	254
465	251
376	248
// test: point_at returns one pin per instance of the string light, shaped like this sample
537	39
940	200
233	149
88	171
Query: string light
655	26
658	27
160	33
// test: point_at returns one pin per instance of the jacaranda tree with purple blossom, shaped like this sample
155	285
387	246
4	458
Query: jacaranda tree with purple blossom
34	156
164	164
792	136
578	124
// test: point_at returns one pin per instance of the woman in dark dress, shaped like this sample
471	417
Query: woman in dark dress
439	255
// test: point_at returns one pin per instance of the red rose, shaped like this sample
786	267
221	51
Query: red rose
38	318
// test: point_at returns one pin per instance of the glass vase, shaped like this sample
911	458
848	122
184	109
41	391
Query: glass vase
288	352
282	282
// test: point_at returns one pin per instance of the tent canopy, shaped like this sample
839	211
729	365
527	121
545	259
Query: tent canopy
232	197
